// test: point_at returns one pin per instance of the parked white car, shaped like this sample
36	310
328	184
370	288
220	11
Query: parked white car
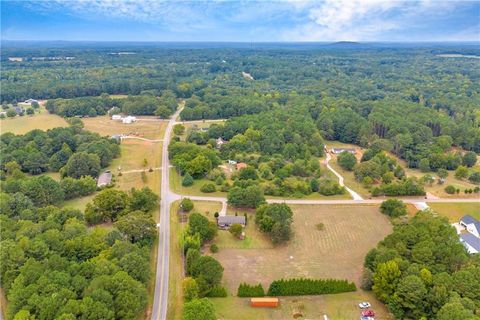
364	305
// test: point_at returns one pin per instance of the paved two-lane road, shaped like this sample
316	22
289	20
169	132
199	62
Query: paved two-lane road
159	308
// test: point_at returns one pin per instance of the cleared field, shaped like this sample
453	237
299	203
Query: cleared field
78	203
455	211
342	306
145	129
42	120
193	190
133	154
335	252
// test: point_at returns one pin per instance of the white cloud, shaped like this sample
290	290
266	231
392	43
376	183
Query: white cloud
362	20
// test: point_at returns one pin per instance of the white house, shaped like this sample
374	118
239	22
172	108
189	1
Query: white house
471	243
340	150
471	224
219	142
30	101
129	119
116	117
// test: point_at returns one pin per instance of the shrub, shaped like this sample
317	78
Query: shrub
298	287
247	290
393	208
208	188
187	180
450	189
217	291
475	177
320	226
186	204
330	188
346	160
236	229
214	248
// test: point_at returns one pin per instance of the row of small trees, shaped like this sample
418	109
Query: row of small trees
297	287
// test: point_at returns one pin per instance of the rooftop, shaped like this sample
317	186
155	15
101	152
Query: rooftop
473	241
231	219
104	179
468	219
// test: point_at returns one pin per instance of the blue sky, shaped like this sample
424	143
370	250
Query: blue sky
287	20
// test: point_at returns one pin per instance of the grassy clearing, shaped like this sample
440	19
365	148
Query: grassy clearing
78	203
343	306
194	190
438	190
337	251
254	239
455	211
104	126
133	154
42	120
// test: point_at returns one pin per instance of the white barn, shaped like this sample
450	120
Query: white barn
129	119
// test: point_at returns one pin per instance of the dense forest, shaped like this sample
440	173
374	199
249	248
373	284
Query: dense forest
56	266
422	271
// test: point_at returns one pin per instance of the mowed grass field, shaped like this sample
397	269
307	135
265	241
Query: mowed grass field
455	211
133	151
337	251
343	306
42	120
150	128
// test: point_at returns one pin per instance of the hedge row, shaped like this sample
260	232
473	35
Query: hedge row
217	292
298	287
246	290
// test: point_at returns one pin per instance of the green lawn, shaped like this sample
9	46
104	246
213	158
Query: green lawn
194	190
42	120
455	211
343	306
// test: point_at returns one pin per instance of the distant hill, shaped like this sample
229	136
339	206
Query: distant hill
345	43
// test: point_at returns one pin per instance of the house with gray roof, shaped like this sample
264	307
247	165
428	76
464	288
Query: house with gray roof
471	243
224	222
104	180
471	224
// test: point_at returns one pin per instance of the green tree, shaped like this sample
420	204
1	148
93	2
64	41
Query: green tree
248	173
236	229
250	197
199	309
198	223
137	227
30	111
82	164
442	174
208	187
187	180
412	293
461	172
275	219
475	177
455	311
385	280
424	165
142	199
347	160
469	159
178	129
393	208
109	203
186	204
190	289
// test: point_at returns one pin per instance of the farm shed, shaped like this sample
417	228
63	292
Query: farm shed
264	302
